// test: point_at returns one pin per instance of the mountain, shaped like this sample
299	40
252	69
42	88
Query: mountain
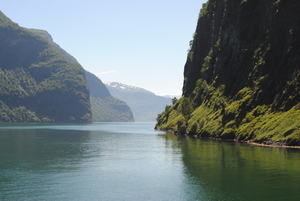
126	88
242	74
144	104
37	83
49	39
105	107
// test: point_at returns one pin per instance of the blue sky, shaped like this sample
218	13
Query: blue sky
141	43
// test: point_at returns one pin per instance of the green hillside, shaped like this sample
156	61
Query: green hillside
37	83
105	108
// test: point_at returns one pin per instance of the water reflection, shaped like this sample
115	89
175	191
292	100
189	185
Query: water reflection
222	170
111	161
96	162
27	151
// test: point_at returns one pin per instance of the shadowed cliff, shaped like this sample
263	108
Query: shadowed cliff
241	77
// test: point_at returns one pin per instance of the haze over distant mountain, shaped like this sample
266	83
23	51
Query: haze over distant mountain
144	104
105	107
172	96
41	82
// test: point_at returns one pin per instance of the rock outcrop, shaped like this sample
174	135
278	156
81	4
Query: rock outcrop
241	77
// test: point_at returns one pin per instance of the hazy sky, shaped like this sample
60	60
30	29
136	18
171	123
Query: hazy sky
141	43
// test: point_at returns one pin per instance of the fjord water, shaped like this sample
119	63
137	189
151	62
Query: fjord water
132	161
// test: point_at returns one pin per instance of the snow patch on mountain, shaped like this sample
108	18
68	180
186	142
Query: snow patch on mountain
127	88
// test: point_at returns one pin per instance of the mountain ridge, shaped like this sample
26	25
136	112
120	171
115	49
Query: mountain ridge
105	108
126	88
41	82
144	104
38	84
50	40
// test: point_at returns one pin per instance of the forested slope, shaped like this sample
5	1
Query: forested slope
105	108
37	83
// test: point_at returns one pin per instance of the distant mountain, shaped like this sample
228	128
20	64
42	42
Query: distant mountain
144	104
105	107
37	83
41	82
126	88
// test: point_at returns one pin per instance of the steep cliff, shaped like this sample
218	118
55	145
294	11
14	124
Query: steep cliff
37	83
105	107
241	77
49	39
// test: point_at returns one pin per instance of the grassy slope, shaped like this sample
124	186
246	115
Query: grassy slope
258	125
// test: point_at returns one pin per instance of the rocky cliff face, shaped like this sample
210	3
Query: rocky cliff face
242	73
37	83
247	44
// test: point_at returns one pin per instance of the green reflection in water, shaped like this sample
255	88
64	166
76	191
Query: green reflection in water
219	170
37	150
84	164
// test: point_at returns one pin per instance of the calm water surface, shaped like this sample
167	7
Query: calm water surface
131	161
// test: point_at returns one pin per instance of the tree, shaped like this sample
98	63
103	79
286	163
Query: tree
174	100
185	107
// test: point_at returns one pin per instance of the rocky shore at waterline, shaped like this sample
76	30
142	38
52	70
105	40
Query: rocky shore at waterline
264	143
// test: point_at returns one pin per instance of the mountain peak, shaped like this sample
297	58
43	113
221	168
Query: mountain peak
127	88
144	104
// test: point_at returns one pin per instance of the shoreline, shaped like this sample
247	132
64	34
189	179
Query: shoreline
271	144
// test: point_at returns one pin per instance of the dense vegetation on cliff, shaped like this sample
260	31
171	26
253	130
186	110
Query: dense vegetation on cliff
241	77
37	83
